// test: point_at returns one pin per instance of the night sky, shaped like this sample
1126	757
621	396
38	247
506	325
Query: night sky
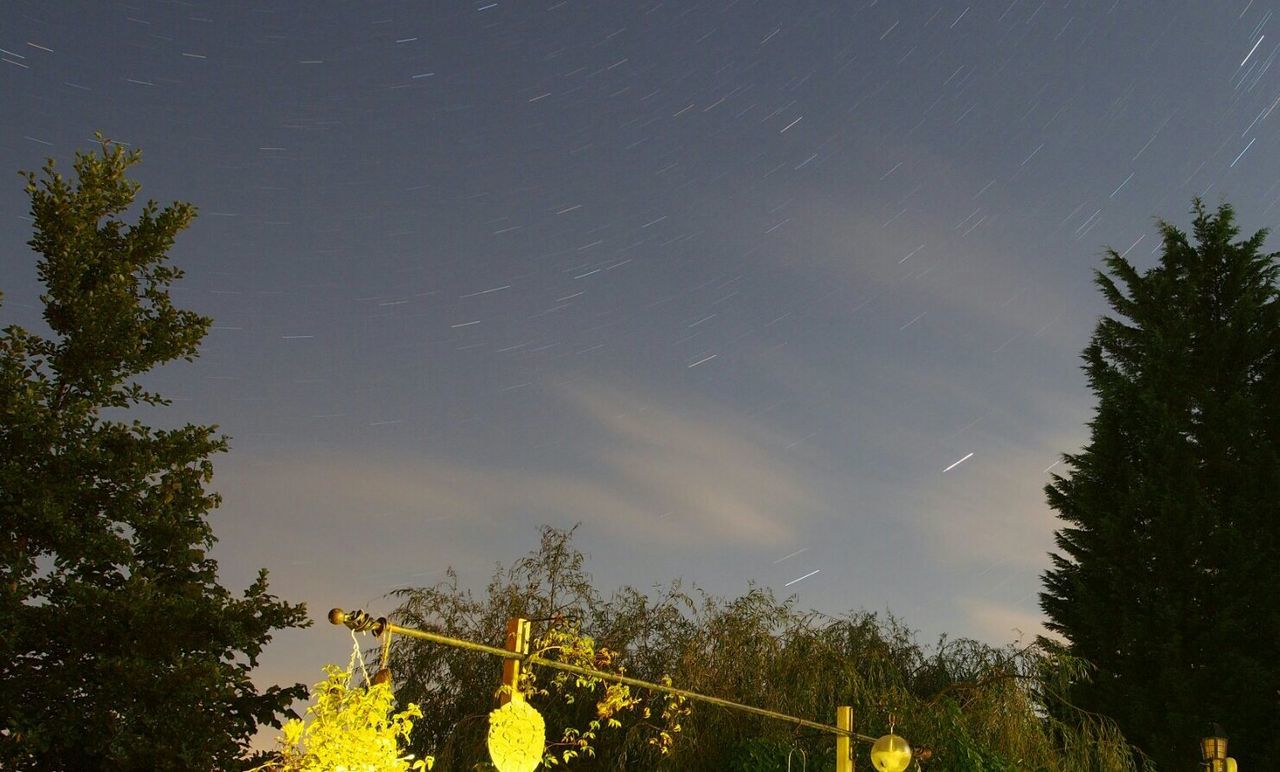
790	293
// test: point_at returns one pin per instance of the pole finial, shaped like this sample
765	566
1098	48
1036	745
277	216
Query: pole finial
358	621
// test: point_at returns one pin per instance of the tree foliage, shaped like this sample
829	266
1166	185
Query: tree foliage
351	726
976	707
563	641
1165	578
119	649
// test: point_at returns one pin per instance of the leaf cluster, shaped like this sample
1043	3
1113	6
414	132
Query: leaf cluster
355	727
614	702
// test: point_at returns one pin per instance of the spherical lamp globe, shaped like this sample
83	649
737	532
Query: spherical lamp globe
890	753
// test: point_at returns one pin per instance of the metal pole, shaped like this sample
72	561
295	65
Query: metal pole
359	621
844	748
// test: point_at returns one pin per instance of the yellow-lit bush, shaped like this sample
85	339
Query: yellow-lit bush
349	729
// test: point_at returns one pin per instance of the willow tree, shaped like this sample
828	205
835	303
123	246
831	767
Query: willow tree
119	649
1166	578
975	706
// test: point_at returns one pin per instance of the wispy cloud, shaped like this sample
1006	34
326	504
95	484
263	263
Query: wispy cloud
643	468
720	473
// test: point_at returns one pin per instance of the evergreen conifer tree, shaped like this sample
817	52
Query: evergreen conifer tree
1166	577
118	647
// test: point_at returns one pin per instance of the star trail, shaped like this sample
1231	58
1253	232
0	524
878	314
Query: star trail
779	292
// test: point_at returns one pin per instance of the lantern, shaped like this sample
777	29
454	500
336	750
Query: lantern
890	753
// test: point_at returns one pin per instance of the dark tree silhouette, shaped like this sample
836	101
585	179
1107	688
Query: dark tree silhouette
1166	578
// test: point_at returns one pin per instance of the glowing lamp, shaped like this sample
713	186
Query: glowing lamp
1213	752
1213	748
890	753
517	736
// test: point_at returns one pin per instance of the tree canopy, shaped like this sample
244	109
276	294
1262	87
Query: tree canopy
119	649
976	707
1165	577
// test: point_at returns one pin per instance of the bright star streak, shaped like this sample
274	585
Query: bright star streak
958	463
800	579
1251	50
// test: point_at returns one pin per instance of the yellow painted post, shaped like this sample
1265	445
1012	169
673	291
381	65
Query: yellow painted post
844	746
517	640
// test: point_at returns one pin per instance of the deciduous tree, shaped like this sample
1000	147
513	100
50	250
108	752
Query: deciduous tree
977	707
